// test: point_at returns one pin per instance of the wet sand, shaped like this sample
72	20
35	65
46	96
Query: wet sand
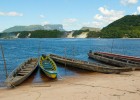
85	86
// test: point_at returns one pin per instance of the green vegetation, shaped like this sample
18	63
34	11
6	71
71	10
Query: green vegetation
41	34
47	34
93	34
128	26
7	35
91	29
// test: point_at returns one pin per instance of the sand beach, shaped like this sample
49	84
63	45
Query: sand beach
88	86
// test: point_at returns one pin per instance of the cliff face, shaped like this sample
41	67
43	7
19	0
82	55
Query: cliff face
91	29
53	27
35	27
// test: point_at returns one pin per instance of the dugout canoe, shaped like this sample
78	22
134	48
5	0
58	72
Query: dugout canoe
88	65
116	59
48	66
22	72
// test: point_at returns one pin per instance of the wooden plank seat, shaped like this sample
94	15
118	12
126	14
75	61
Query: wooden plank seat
33	63
21	74
26	70
17	77
29	65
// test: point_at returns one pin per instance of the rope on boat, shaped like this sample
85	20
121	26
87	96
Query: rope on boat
12	85
60	76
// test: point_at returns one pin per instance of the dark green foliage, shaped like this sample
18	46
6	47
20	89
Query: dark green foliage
78	32
41	34
7	35
23	34
93	34
128	26
47	34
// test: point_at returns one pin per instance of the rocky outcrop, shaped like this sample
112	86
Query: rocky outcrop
35	27
91	29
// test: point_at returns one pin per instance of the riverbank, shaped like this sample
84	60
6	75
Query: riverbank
88	86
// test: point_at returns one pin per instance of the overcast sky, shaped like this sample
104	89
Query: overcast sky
73	14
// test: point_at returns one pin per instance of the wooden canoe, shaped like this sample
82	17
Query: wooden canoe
48	66
22	72
132	58
116	59
87	65
118	56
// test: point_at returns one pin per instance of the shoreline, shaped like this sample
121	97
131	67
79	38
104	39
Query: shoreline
66	38
88	86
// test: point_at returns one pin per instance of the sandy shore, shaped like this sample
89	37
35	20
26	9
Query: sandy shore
92	86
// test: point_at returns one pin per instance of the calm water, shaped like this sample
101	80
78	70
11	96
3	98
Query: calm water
18	50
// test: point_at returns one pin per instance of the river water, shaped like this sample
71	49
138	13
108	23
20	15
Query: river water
18	50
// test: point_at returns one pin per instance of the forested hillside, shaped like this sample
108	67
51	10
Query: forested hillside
128	26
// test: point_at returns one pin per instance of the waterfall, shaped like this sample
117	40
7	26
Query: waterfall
29	35
17	35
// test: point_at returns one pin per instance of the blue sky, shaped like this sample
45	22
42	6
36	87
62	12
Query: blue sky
73	14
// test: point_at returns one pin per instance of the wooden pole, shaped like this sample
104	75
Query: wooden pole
112	46
5	67
73	52
39	48
65	59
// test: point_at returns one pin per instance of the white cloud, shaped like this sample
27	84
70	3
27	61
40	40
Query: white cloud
71	24
98	17
95	24
2	13
105	11
42	16
45	22
10	14
128	2
70	20
135	13
106	16
138	11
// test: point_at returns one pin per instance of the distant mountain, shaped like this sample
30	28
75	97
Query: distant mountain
34	34
91	29
35	27
53	27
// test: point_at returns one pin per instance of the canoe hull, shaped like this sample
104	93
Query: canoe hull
87	65
113	60
13	80
50	73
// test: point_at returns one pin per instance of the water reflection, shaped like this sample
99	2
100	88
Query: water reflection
39	77
18	50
